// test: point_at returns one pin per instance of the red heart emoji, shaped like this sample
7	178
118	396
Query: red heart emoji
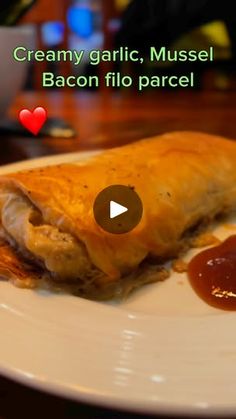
33	121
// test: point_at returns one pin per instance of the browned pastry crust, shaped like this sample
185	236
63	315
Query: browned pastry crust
183	179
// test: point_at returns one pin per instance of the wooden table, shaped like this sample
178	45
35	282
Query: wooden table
104	121
101	122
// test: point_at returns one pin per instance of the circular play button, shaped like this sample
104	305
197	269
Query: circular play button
118	209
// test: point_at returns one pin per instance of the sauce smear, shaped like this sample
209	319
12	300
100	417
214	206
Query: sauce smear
212	274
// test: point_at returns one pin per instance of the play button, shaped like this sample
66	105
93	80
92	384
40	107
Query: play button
118	209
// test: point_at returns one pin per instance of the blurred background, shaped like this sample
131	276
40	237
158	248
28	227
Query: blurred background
82	119
99	24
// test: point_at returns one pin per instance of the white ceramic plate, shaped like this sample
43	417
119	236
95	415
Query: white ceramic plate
162	351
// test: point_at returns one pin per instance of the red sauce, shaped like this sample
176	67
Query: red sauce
212	274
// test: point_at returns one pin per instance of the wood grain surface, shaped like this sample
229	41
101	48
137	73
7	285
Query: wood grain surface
103	121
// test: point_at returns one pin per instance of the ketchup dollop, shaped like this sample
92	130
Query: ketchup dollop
212	274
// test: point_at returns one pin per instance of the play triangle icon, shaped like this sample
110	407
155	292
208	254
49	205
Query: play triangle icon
116	209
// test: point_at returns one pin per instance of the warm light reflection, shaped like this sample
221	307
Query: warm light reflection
202	405
11	310
158	379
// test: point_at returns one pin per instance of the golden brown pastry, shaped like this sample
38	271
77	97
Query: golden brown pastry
48	228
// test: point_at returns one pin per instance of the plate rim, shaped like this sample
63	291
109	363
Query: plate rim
115	403
103	401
